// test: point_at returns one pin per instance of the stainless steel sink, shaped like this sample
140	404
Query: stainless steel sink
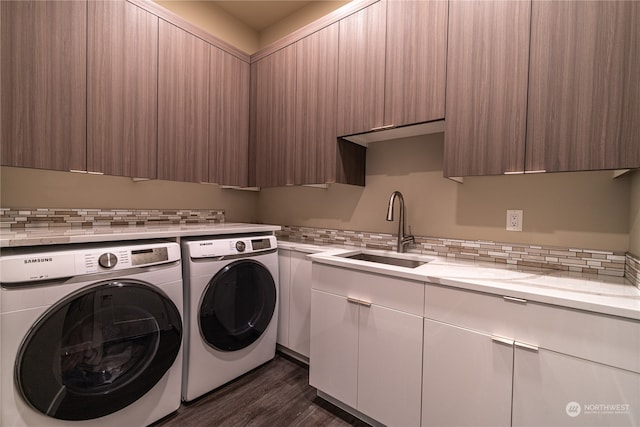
400	262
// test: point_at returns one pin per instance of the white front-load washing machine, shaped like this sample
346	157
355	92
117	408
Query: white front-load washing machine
231	300
90	334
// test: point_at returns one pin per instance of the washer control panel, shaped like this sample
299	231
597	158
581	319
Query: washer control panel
214	248
29	265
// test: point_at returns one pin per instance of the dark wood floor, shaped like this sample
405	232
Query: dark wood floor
275	394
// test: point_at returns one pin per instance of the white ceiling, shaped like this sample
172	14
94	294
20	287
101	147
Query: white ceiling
260	14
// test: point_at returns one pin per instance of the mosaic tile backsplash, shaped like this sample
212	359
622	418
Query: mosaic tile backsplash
608	263
632	271
28	218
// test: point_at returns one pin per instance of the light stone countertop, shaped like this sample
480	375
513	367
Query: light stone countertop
600	294
66	235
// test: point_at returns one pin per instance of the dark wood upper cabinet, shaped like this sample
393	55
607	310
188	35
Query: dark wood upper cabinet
487	66
272	139
44	83
361	70
229	119
122	91
183	105
316	95
415	61
584	86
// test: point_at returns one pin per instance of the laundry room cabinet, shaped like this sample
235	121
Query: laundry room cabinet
228	119
44	84
183	105
493	360
366	342
294	321
361	70
487	68
272	132
584	91
122	89
455	362
416	62
316	150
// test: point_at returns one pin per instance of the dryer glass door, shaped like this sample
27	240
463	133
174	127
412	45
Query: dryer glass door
99	350
237	305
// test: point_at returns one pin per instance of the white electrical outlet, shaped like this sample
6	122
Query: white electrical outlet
514	220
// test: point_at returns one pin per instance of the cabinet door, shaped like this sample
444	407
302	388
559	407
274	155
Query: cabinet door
273	118
316	94
284	292
389	366
183	105
44	84
228	119
300	308
584	90
361	70
416	61
554	389
466	379
333	364
122	91
487	66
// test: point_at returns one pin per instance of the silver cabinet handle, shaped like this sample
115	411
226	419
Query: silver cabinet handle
501	340
513	299
525	346
358	301
382	128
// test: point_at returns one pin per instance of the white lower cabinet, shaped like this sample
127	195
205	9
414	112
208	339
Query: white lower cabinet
300	304
555	389
479	370
333	366
366	351
294	321
284	273
467	377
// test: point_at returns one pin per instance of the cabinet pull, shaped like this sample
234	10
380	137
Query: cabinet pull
524	346
501	340
358	301
379	128
513	299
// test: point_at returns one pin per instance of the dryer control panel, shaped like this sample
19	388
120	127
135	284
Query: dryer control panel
231	246
35	264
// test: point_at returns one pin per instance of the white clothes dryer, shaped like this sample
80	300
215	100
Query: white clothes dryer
90	334
231	300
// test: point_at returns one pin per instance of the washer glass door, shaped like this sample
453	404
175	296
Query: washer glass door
237	305
98	350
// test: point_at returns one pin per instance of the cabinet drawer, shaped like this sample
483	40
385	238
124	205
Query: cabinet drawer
606	339
398	294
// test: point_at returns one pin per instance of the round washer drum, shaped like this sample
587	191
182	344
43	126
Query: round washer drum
237	305
98	350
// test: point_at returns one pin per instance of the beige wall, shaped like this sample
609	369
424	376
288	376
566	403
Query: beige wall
221	24
634	215
34	188
298	19
215	21
583	210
